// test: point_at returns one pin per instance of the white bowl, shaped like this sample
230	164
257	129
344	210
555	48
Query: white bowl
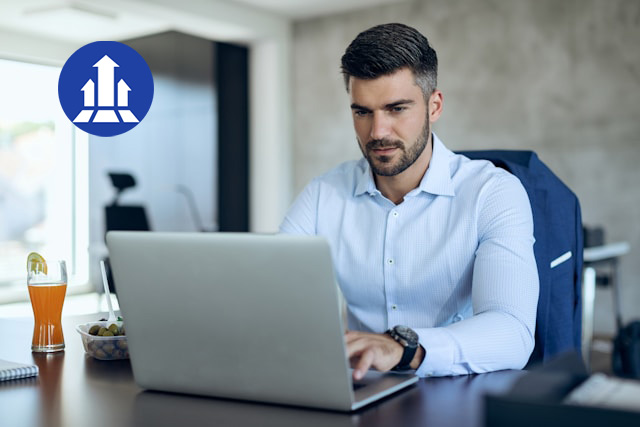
104	348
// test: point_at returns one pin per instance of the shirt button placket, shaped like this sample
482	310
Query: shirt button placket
392	214
390	275
391	294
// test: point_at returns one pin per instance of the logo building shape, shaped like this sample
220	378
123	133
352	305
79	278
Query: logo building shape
105	88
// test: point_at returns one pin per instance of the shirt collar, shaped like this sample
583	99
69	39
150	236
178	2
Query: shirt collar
437	179
365	182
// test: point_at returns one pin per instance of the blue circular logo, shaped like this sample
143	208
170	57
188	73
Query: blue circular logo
105	88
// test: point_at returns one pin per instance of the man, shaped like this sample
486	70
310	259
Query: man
420	236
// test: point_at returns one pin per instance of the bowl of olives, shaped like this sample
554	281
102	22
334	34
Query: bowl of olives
104	340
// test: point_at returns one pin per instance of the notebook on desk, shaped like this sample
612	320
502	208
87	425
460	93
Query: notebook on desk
238	315
12	370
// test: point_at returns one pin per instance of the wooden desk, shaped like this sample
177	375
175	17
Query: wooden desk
76	390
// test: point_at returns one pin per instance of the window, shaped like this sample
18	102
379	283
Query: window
43	179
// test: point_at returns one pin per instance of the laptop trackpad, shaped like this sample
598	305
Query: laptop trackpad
377	384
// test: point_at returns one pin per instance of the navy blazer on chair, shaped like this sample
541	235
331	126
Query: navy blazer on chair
557	224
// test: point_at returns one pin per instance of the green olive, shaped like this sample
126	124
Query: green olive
94	330
102	331
107	334
113	328
108	348
122	344
100	354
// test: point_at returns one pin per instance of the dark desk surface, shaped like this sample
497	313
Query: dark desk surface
76	390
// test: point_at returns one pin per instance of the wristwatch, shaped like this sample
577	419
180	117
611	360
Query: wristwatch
408	339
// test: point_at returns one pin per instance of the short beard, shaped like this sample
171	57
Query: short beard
382	168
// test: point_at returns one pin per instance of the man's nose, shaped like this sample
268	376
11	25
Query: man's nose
380	125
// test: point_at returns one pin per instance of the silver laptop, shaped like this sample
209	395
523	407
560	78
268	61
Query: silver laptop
238	315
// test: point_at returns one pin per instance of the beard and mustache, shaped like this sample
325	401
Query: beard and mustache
382	165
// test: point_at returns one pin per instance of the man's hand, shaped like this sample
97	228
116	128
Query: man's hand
378	351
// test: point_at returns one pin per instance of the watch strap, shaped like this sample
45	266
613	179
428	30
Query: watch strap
408	352
405	361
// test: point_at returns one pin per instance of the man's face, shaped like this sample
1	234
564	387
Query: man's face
390	120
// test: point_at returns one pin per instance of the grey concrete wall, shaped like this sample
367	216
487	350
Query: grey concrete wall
560	77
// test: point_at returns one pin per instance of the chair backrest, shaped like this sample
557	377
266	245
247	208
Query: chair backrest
126	218
557	223
123	218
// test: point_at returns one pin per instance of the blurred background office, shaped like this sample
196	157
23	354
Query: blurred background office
249	105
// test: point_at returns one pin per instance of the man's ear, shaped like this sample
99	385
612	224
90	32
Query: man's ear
435	105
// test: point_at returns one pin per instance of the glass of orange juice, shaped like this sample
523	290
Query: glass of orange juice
47	282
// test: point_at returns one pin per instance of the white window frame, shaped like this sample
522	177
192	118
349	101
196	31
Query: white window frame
76	146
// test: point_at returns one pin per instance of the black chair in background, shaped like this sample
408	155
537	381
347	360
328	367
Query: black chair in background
123	217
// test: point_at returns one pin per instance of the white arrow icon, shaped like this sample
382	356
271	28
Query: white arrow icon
106	81
89	95
123	94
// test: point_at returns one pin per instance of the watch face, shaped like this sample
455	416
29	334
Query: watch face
407	334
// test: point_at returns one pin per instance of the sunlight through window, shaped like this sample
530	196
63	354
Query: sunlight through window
43	179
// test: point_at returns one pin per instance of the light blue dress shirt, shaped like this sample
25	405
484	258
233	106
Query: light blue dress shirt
454	260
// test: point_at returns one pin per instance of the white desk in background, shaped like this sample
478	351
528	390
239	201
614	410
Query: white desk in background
593	256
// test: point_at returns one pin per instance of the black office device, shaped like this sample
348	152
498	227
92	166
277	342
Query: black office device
538	399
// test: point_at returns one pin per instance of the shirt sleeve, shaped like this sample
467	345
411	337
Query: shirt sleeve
301	218
505	286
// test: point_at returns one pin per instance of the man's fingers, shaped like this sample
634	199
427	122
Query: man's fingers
356	345
363	365
351	336
367	350
361	356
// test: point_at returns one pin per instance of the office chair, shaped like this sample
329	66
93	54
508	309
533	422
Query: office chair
123	217
127	217
557	224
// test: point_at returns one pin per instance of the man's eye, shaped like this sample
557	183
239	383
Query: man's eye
360	113
398	109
